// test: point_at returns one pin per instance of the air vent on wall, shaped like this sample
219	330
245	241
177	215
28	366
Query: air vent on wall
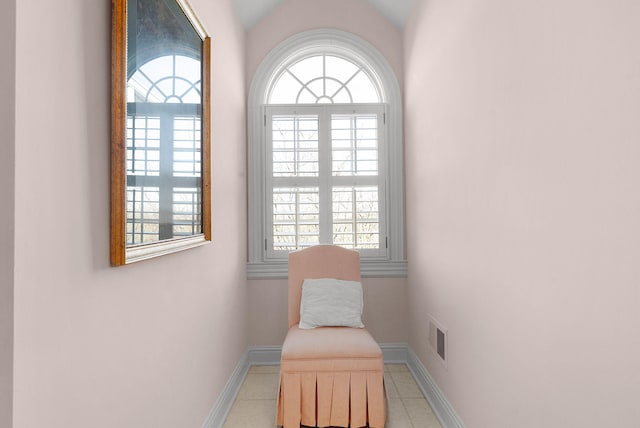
438	340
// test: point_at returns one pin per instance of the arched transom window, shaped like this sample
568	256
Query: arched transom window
324	79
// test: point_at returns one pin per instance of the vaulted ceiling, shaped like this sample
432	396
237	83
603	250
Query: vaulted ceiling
251	11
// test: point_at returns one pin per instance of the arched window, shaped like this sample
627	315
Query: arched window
325	154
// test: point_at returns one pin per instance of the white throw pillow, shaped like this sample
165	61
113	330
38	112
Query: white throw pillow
330	302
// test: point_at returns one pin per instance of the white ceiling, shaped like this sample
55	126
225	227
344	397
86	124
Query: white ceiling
251	11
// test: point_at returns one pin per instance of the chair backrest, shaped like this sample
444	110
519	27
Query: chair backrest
319	261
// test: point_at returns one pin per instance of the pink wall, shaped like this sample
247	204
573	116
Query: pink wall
7	170
523	206
385	308
146	345
294	16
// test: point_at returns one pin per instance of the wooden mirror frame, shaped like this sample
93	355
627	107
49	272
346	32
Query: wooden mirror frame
121	253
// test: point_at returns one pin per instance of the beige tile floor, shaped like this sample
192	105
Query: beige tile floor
255	405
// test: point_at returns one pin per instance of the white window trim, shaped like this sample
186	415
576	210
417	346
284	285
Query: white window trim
298	46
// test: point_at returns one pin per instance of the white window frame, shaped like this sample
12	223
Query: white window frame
325	180
392	263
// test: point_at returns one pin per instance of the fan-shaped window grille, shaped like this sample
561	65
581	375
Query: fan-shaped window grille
151	84
324	79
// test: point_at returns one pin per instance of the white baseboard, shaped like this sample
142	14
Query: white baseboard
221	408
438	402
394	353
264	355
398	353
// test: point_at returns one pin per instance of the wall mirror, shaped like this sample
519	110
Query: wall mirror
160	148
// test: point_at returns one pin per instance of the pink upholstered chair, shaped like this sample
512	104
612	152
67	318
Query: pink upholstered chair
329	376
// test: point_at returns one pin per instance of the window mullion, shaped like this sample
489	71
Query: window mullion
383	162
326	222
268	182
166	167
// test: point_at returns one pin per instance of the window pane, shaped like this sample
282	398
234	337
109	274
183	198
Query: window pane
356	221
186	147
354	144
362	89
143	145
316	87
187	218
296	218
285	90
295	146
143	214
340	69
308	69
306	97
343	96
188	69
331	87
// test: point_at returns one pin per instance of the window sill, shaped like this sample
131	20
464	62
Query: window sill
369	269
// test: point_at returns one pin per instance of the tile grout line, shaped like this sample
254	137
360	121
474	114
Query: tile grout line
399	398
404	399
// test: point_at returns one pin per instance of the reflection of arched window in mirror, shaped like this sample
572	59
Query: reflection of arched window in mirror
163	150
160	145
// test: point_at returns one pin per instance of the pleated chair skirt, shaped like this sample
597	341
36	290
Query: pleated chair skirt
337	399
331	377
